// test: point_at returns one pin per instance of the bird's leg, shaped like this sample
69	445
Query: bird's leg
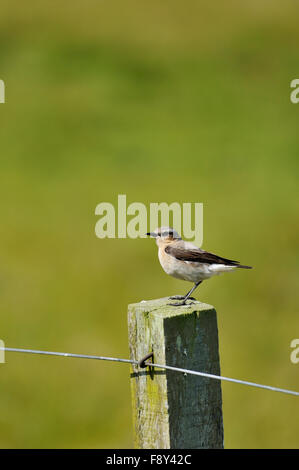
187	296
193	289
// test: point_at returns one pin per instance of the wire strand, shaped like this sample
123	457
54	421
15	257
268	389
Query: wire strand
226	379
150	364
63	354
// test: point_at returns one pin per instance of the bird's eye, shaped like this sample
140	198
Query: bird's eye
167	234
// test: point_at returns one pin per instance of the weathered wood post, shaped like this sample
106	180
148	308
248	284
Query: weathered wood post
172	410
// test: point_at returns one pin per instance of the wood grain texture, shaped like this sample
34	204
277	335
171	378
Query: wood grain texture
172	410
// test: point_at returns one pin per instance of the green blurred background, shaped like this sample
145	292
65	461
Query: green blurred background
161	101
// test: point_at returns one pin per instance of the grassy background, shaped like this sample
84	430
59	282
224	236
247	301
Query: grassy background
162	101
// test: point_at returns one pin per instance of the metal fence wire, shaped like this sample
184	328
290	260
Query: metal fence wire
145	363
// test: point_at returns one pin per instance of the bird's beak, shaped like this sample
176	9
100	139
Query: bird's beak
151	234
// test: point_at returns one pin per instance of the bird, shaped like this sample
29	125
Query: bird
184	260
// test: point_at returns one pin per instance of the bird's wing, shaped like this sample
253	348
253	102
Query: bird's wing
197	255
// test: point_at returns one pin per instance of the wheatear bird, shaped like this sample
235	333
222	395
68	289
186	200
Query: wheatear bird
183	260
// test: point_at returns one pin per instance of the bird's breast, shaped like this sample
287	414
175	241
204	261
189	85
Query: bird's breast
176	268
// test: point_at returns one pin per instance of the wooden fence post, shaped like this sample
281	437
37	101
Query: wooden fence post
172	410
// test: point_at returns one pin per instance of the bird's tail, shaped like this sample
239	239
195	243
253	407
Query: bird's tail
243	266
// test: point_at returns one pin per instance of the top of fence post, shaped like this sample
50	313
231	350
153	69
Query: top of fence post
170	409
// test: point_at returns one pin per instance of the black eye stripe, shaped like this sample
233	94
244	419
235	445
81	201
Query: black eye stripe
166	234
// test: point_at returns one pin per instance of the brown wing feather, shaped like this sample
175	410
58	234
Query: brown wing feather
199	256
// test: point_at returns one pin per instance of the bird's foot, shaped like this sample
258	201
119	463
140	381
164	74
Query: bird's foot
180	304
179	297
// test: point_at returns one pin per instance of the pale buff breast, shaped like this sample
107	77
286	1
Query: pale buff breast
185	270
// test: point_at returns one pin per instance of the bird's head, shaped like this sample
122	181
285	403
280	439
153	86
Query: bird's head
164	235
